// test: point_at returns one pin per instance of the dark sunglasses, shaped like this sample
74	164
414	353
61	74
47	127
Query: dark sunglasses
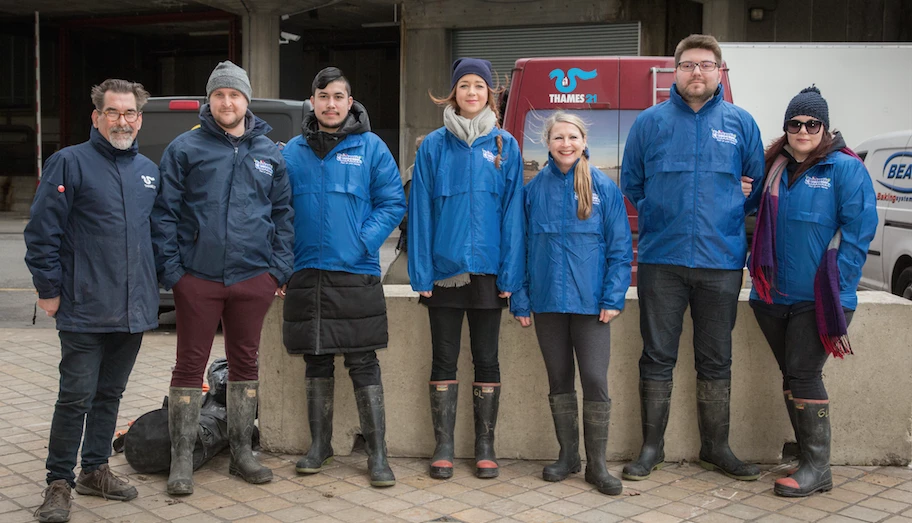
811	126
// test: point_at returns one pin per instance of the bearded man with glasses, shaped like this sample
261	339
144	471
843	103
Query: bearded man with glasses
89	249
692	166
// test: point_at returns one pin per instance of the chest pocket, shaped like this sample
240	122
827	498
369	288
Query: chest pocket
482	176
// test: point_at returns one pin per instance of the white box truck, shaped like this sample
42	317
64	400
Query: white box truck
888	158
867	86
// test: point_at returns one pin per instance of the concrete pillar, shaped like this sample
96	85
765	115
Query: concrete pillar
725	19
426	62
260	52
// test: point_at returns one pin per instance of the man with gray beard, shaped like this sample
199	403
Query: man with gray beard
89	249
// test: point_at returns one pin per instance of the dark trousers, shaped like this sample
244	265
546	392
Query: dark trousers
796	344
94	369
363	367
559	335
446	334
664	293
241	307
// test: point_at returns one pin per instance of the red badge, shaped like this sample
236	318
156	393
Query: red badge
60	188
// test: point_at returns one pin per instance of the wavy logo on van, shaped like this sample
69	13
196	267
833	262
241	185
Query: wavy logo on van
567	83
898	171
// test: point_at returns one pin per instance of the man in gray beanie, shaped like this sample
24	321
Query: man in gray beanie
222	231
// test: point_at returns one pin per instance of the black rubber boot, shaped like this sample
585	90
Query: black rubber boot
485	402
242	411
320	417
790	449
373	427
443	415
713	410
813	474
655	404
565	412
596	417
183	428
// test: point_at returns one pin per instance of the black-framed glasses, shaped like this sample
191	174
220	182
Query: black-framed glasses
811	126
705	66
113	115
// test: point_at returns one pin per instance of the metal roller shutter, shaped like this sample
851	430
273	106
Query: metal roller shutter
503	46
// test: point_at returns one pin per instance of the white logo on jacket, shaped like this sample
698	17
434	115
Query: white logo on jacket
147	181
263	166
723	137
349	159
595	198
488	155
817	183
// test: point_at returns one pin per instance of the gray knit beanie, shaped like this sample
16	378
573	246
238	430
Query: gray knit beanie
808	103
226	74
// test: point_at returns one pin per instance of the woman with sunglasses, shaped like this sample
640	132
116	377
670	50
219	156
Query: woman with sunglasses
466	253
817	217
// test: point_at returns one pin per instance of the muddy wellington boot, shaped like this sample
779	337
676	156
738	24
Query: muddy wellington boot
320	392
443	415
373	427
713	404
655	404
183	427
242	411
596	417
813	474
565	413
485	403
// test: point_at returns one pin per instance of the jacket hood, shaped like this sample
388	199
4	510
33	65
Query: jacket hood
255	125
106	149
357	122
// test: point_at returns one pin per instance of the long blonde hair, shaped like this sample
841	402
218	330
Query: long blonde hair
582	178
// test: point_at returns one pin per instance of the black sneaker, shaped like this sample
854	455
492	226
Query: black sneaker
102	482
56	506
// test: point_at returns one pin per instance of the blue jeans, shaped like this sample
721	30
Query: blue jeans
664	293
94	369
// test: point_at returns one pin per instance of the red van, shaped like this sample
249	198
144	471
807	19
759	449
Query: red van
607	92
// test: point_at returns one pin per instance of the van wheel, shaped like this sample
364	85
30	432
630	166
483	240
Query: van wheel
903	285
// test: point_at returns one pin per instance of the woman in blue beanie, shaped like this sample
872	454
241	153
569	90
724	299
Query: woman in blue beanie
466	251
817	217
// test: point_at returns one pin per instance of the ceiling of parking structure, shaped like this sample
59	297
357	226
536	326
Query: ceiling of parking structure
94	8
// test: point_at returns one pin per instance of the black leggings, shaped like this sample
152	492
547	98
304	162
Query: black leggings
558	336
446	333
363	367
792	334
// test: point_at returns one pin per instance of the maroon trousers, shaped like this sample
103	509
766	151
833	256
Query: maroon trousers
200	304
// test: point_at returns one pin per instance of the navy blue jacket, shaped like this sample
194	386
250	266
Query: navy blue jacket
574	266
223	212
465	215
683	172
88	240
346	204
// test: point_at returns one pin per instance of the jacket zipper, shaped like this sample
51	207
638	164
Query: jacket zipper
563	271
472	209
317	345
693	227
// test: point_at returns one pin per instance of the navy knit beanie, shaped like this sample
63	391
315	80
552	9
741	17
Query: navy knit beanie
464	66
808	103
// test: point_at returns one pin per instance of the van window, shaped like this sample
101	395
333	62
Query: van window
608	130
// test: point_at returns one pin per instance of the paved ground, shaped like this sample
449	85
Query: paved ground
28	384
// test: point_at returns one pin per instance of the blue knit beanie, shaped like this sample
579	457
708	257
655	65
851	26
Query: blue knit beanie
464	66
808	103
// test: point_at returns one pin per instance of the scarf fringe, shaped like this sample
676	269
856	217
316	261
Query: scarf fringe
838	346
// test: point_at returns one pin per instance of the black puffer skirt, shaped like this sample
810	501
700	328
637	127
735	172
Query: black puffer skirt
331	312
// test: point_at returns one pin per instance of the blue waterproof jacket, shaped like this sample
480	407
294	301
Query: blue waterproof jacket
574	266
465	215
223	212
683	172
88	240
837	193
346	204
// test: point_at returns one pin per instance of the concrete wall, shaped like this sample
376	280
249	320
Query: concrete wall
871	392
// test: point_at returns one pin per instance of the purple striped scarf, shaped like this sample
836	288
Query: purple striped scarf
831	323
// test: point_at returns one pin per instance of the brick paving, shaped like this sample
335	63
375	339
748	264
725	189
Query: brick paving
680	492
